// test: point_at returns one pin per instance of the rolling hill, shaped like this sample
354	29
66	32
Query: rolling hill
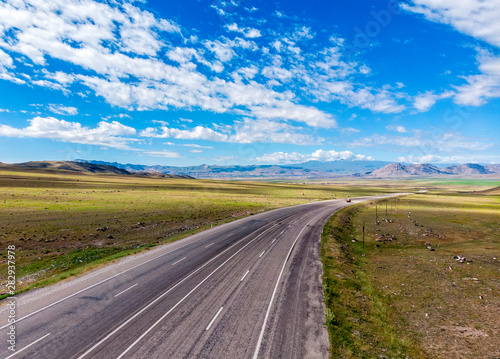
80	167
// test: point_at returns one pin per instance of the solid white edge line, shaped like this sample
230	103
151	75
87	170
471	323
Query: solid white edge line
261	336
211	244
26	347
180	260
248	271
213	319
168	291
273	240
282	232
123	291
262	254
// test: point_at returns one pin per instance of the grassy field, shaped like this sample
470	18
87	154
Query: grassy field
62	223
426	282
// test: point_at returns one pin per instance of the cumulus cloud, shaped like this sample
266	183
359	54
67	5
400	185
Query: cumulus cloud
197	133
244	131
319	155
481	87
106	134
477	18
115	49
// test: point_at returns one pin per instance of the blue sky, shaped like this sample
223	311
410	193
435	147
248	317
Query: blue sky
250	82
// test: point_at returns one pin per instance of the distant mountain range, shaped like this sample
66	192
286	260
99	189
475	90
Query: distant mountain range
311	169
304	170
314	169
427	170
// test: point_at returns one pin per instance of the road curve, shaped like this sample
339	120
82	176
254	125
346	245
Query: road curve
247	289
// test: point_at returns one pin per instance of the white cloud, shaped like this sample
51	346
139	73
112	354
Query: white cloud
397	128
290	111
7	63
264	131
420	159
449	159
224	48
426	140
167	154
6	75
365	70
319	155
220	11
115	49
49	84
223	51
329	78
277	73
60	77
477	18
252	33
186	145
63	110
5	60
224	159
248	72
181	54
247	32
483	86
244	131
349	130
197	133
106	134
423	102
303	33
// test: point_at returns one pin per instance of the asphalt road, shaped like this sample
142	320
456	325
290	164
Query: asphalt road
247	289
